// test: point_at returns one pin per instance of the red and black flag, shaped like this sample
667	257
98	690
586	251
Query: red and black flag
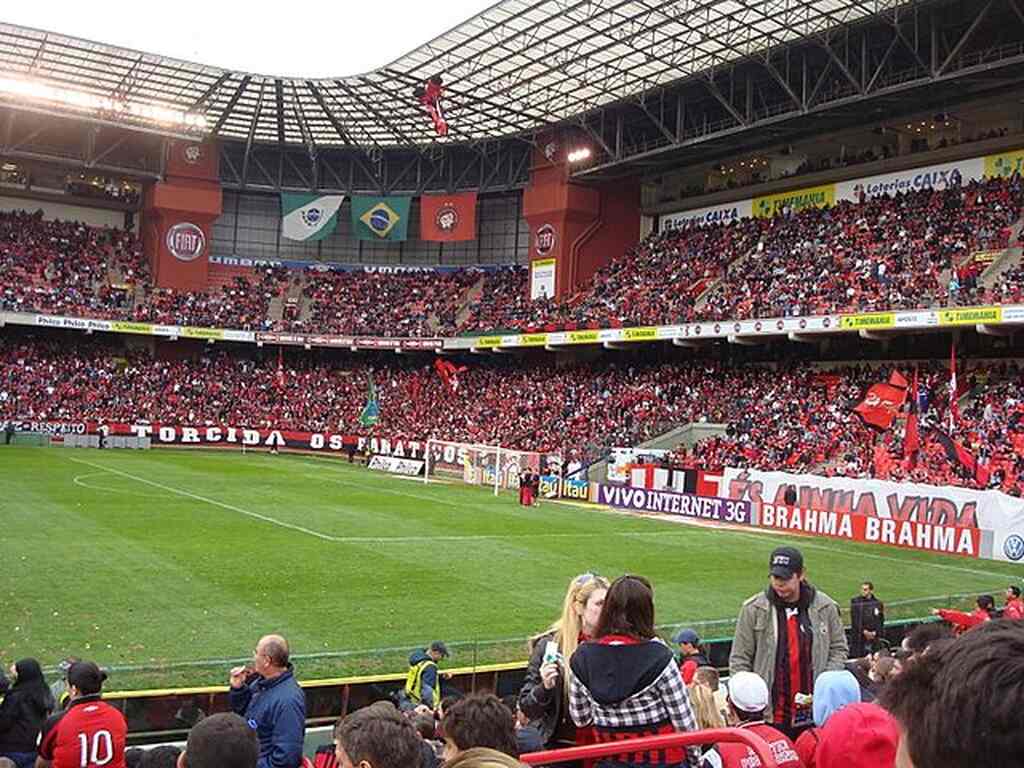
960	455
280	369
431	96
882	402
912	438
954	408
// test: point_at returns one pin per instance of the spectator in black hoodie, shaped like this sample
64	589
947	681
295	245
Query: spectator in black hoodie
24	710
626	682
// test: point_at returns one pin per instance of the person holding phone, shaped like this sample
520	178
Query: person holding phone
544	696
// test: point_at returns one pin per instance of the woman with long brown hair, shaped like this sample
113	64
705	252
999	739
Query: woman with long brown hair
626	683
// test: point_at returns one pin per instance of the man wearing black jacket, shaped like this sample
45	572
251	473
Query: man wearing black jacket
867	620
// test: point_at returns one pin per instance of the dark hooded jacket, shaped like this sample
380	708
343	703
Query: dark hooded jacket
24	709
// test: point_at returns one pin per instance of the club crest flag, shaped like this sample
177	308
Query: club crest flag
309	217
380	218
448	218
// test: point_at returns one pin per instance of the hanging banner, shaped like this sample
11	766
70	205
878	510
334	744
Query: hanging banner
542	279
448	218
380	218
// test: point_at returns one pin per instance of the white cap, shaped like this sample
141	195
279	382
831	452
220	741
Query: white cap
748	692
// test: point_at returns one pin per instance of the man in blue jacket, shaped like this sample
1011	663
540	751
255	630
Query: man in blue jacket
267	695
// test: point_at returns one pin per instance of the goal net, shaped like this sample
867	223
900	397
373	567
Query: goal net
490	466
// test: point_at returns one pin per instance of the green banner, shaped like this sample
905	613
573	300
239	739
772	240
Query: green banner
380	218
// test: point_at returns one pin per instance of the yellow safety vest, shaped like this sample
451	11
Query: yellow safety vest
414	683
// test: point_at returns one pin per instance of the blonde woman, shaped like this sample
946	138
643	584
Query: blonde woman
544	697
705	708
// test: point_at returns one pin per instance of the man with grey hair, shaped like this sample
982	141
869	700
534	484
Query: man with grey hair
267	695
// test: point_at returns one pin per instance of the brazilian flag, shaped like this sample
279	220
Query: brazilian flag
371	411
380	218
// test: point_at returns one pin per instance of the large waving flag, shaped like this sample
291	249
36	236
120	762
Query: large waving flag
380	218
448	218
371	411
883	401
309	217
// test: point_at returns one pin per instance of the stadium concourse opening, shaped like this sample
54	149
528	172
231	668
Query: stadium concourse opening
654	365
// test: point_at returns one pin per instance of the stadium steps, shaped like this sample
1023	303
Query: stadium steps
275	310
471	295
688	434
701	301
1006	261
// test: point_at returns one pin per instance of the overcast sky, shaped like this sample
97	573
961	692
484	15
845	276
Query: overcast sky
284	38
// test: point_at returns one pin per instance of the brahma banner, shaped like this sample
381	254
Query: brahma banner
923	517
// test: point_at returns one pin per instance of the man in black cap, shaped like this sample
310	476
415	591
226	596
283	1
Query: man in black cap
423	683
691	656
89	733
788	634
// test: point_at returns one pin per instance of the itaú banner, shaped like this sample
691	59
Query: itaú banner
925	517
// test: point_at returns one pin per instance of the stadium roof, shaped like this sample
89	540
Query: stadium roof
516	67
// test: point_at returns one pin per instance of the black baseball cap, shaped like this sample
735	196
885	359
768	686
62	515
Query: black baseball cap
86	677
785	562
440	647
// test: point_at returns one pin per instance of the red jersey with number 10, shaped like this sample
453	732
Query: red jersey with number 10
88	734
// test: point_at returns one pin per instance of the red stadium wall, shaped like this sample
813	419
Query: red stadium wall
580	227
178	216
617	229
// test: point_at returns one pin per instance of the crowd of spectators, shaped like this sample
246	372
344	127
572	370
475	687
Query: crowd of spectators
242	304
65	267
907	251
601	675
798	420
410	303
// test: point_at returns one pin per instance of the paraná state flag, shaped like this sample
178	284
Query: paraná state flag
370	414
380	218
309	217
448	218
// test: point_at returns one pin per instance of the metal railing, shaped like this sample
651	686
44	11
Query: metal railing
651	743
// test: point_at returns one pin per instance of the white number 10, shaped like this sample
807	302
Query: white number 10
103	742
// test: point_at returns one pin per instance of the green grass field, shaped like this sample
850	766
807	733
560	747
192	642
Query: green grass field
167	564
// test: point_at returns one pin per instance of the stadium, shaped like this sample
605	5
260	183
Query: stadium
643	295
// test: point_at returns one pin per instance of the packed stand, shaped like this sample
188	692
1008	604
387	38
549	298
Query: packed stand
800	421
365	303
504	298
66	268
244	304
884	253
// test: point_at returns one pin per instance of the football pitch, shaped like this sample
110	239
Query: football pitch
166	565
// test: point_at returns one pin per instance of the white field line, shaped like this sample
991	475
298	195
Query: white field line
205	500
79	480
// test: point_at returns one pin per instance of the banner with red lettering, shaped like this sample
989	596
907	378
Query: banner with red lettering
448	218
998	518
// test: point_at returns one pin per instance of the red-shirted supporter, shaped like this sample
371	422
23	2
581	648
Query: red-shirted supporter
89	733
748	699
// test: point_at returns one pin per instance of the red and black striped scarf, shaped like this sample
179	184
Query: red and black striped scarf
794	672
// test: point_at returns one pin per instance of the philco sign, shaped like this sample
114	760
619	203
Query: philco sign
186	241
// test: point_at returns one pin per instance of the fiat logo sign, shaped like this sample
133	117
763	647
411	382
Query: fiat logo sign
545	240
185	241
